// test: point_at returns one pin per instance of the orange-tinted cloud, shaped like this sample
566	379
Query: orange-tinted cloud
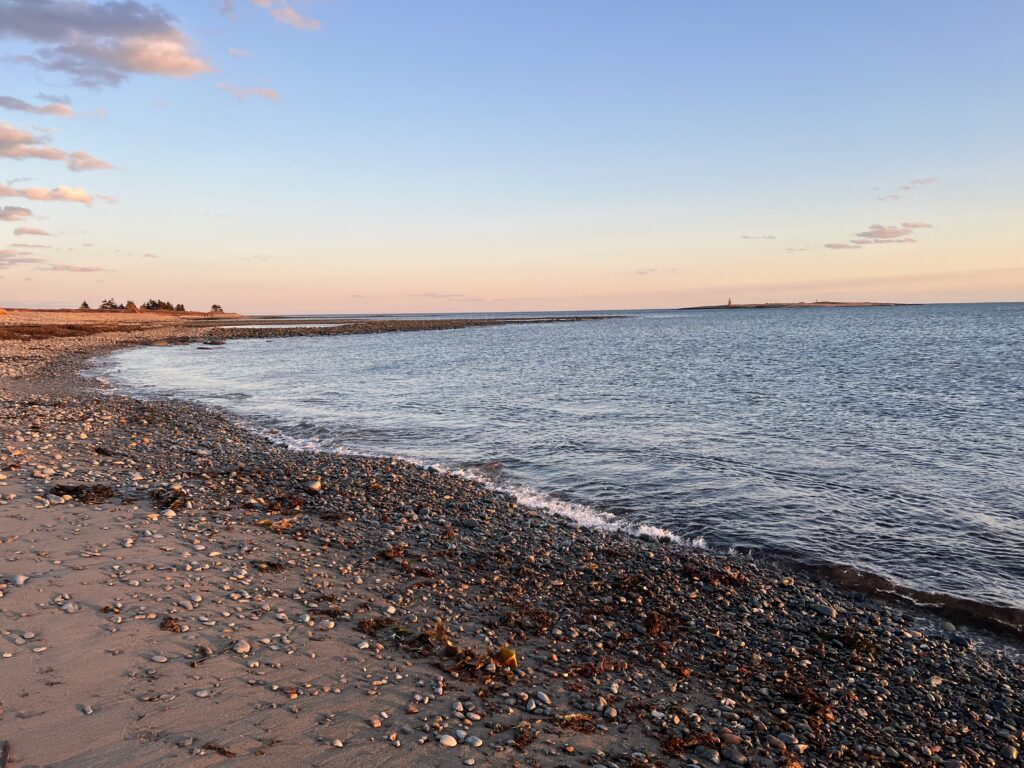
83	161
18	144
31	231
102	43
64	194
54	108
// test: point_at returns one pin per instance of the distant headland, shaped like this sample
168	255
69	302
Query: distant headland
798	305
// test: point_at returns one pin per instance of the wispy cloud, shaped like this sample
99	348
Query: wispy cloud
100	44
239	52
19	144
10	259
447	296
53	108
65	194
23	231
918	183
70	268
83	161
149	256
16	144
284	13
245	94
882	234
14	213
908	187
757	237
652	270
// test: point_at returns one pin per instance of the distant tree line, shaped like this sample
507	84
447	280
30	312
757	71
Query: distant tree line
151	304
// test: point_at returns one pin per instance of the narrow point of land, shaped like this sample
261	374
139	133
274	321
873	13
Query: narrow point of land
798	305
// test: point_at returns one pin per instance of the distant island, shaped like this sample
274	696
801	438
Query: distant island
797	305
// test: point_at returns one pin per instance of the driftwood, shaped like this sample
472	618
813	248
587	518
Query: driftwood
5	753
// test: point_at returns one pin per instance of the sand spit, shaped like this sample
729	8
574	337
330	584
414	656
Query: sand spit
179	591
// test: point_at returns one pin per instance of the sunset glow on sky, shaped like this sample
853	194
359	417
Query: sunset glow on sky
337	156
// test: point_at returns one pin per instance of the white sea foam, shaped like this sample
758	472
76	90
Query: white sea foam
581	514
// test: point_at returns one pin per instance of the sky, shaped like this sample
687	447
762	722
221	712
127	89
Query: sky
406	156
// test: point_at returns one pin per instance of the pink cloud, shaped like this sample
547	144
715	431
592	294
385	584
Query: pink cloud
18	144
877	232
247	93
882	234
102	43
70	268
83	161
14	213
53	108
65	194
31	231
10	259
891	241
284	13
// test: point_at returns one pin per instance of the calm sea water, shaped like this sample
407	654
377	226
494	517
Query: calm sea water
887	439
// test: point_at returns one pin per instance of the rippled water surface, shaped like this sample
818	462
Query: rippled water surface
889	439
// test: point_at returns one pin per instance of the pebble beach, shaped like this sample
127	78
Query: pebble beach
176	589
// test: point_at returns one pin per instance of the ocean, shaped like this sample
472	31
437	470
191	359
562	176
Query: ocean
883	445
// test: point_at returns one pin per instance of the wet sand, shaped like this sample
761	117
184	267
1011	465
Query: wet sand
177	590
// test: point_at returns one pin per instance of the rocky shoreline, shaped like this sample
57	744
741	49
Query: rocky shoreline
178	590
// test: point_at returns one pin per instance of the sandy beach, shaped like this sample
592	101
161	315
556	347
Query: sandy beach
177	590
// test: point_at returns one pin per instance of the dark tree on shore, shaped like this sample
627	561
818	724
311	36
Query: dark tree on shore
217	309
85	305
158	304
179	307
110	304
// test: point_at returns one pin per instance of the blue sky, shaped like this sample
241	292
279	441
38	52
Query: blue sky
410	156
